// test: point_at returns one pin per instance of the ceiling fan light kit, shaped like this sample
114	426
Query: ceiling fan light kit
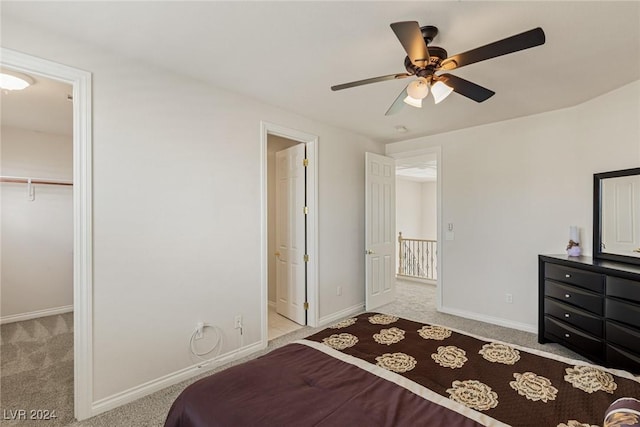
440	91
419	88
423	61
414	102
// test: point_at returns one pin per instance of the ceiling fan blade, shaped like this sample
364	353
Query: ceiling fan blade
371	80
511	44
410	37
466	88
398	103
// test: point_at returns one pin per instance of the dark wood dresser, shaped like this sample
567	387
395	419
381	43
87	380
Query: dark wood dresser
592	307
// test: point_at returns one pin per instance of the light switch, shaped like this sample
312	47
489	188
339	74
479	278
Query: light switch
449	235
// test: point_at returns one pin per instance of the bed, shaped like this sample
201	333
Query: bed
381	370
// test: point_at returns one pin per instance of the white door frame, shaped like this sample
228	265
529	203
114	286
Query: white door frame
82	225
437	150
311	142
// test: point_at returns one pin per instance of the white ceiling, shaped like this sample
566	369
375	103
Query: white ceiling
288	54
418	168
42	107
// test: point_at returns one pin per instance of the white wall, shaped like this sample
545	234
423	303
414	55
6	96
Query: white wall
513	188
416	209
409	208
429	209
37	236
176	187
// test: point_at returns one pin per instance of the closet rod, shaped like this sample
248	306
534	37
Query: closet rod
22	180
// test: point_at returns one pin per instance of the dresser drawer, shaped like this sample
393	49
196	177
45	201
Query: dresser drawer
572	337
574	316
623	311
577	297
583	279
623	359
623	336
623	288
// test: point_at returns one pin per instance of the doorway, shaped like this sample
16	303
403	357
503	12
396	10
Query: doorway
418	213
286	235
80	82
289	233
37	246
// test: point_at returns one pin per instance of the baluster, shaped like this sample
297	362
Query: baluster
400	252
422	272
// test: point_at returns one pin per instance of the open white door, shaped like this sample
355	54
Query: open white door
380	224
290	233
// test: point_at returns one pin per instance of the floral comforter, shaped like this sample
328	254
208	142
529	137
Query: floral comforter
511	385
380	370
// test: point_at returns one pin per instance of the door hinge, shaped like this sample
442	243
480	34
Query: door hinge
306	305
306	257
305	162
306	210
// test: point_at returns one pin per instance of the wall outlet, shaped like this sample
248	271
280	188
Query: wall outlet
508	298
339	290
199	330
238	322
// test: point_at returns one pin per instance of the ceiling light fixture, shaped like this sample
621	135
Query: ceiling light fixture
440	91
418	89
414	102
14	81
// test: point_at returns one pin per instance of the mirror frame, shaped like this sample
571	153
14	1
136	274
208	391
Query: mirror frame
597	217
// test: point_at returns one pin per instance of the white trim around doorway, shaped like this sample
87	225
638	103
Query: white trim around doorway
82	225
311	142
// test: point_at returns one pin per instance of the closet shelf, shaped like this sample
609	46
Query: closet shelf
25	180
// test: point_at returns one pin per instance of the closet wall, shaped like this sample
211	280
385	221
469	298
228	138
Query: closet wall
416	209
36	236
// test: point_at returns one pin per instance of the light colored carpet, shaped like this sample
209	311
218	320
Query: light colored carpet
36	369
414	301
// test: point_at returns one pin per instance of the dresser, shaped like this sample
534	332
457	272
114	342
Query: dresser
592	307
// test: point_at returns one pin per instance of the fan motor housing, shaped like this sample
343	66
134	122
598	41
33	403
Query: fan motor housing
436	56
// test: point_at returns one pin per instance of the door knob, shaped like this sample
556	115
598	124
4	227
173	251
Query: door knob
369	252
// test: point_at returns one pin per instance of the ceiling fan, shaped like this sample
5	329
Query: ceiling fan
423	61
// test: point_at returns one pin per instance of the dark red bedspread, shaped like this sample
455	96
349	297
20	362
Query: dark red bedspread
300	386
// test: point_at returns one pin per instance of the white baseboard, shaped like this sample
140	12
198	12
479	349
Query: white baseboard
332	318
134	393
36	314
490	319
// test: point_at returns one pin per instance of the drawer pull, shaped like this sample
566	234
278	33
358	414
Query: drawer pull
567	295
567	335
566	315
567	275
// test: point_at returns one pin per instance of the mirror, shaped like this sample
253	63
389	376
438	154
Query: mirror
616	215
